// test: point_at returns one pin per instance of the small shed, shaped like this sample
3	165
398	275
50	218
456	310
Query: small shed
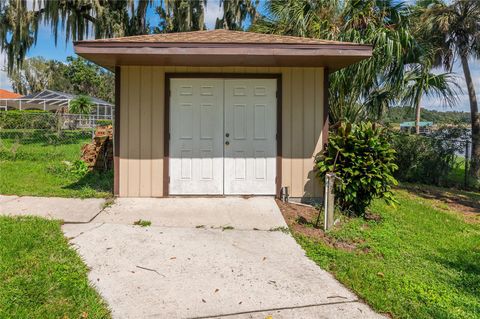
219	112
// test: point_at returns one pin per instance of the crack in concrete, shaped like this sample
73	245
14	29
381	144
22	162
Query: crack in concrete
85	231
275	309
91	219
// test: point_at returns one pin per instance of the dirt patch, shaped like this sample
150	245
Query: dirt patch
372	216
465	203
301	219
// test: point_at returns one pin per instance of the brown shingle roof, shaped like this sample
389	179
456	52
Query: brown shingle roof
222	48
220	36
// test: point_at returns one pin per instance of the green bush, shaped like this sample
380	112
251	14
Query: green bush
428	159
364	162
79	168
104	122
27	120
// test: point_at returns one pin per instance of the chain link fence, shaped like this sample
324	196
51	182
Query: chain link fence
40	154
30	128
442	157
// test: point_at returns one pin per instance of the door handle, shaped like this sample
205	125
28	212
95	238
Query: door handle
227	143
227	135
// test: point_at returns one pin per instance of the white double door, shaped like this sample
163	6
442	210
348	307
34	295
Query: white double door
222	136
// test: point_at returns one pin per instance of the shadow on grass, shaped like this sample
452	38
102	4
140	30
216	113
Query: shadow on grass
449	197
464	267
98	181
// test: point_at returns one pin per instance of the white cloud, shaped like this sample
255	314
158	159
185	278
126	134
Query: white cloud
212	12
463	100
4	81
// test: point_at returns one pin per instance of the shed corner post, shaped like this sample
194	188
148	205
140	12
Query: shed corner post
326	107
116	135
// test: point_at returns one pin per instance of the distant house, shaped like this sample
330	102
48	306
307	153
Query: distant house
409	127
4	94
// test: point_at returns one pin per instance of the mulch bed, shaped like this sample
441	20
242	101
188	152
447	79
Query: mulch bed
301	219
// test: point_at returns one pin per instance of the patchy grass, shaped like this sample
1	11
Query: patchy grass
40	275
109	201
464	203
282	229
416	261
143	223
40	167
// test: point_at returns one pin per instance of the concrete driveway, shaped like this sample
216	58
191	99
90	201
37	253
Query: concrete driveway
199	268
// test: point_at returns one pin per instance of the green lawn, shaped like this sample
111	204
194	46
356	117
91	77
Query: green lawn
38	164
417	262
40	275
457	176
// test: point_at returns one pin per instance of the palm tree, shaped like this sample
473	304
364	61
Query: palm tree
82	104
304	18
367	88
420	82
458	27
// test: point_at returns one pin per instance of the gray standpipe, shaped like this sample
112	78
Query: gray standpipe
329	201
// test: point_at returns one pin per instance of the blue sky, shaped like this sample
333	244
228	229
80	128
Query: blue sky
46	47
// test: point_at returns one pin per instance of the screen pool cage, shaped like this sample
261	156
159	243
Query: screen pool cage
59	102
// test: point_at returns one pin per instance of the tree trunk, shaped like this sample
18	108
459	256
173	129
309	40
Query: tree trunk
475	118
418	110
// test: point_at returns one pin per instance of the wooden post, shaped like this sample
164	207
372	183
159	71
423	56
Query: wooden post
329	200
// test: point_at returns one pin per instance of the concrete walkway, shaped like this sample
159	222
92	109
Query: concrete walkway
201	258
189	265
240	213
70	210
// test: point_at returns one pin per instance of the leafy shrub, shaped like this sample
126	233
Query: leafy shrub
104	122
364	162
428	159
79	168
27	120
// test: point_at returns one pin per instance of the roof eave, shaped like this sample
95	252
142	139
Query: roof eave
111	54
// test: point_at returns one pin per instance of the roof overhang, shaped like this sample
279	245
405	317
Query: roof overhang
111	54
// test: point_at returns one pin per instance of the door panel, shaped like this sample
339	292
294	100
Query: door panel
196	136
250	136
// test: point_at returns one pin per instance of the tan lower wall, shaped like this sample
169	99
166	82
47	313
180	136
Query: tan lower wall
142	127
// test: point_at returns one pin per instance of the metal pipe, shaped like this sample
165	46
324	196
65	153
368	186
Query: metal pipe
284	194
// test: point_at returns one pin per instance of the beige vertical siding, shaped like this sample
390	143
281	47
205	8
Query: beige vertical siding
142	127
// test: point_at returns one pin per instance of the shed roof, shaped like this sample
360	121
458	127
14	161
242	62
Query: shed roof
219	36
222	48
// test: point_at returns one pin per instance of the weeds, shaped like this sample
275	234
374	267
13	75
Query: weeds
142	223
